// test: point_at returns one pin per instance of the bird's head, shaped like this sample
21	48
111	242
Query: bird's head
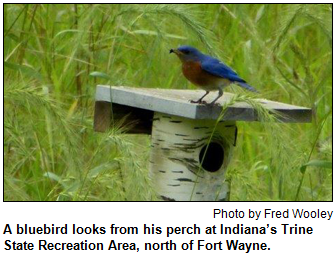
187	53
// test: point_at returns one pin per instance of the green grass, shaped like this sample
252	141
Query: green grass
50	149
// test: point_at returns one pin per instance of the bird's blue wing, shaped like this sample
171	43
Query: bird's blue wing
217	68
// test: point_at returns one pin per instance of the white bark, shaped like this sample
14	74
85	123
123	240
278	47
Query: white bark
175	165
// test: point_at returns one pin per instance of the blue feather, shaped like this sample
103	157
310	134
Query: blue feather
217	68
247	86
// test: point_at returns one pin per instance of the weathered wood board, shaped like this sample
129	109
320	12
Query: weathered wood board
177	103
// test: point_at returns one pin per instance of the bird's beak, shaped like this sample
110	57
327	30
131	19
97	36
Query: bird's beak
176	51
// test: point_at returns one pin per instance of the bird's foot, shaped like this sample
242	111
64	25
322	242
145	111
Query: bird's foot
199	102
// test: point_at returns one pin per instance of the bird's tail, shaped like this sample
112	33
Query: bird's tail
247	86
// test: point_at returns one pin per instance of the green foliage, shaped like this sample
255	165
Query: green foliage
54	55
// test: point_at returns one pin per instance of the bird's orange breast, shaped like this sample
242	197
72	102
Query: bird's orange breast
193	71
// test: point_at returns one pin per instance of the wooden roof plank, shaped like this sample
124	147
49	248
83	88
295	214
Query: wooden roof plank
177	102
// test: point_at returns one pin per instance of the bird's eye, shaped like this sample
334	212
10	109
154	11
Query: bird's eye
186	51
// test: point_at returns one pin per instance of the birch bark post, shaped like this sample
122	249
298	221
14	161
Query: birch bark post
177	148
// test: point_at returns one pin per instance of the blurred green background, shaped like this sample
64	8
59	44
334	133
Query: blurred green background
55	55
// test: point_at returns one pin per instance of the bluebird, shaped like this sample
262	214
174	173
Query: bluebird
206	72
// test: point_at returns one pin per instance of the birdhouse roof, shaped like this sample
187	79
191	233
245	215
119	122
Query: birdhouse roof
177	102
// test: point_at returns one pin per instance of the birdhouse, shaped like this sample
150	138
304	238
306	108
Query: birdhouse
190	148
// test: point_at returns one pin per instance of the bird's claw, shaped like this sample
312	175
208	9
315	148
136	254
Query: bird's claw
203	102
